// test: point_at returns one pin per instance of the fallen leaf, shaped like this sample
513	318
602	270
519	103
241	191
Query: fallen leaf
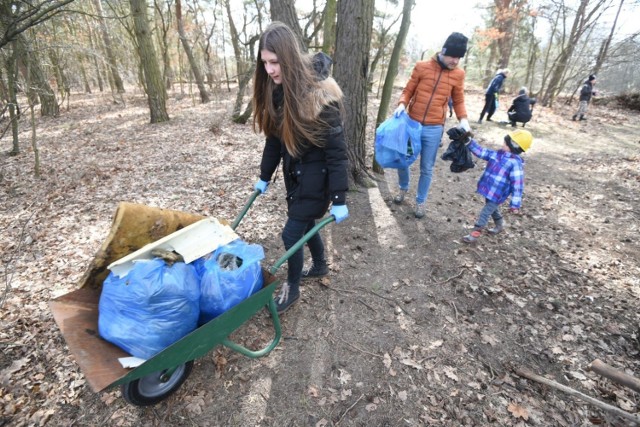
386	360
436	344
518	411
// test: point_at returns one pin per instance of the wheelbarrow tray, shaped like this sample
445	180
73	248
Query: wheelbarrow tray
76	313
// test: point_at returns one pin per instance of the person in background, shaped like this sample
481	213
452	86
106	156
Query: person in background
521	108
491	94
299	108
585	97
425	97
503	177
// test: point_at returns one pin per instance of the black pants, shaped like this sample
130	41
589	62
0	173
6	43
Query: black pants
489	106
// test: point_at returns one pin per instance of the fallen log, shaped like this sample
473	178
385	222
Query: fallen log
601	368
525	373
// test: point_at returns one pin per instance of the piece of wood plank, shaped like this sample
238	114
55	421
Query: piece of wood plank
525	373
615	375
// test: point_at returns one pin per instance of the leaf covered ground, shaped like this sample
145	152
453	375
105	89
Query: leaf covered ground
412	327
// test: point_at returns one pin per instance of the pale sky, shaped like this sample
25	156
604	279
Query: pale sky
433	21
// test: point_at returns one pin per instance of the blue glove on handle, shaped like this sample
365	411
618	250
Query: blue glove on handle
262	186
340	212
398	111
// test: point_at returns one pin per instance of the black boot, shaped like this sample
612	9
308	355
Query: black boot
582	117
575	116
317	269
289	294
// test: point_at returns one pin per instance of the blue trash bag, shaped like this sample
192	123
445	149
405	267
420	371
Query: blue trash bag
150	308
229	275
398	142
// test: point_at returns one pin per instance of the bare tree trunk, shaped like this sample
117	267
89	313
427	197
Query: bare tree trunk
285	11
163	42
329	30
604	50
392	71
12	71
48	104
583	21
244	72
156	93
93	46
508	15
204	96
113	66
34	141
353	40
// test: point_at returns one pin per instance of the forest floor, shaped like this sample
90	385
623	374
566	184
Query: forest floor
412	327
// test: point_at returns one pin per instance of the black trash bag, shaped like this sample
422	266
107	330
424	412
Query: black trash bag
459	155
457	152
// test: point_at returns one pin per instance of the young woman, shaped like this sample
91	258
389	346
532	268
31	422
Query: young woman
299	109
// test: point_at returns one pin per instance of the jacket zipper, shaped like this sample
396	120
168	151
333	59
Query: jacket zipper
431	98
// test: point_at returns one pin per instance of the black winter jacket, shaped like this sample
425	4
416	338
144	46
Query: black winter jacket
319	176
520	110
587	91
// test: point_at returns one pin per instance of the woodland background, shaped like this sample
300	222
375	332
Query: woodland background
203	48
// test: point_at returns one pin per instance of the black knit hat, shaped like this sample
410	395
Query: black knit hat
455	46
592	77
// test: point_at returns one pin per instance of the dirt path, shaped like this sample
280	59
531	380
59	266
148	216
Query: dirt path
412	327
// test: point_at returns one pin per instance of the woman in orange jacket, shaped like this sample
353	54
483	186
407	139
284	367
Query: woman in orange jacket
425	97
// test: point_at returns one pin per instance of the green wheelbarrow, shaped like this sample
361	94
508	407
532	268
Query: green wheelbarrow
76	313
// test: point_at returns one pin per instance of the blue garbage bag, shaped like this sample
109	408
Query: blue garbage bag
398	142
229	275
150	308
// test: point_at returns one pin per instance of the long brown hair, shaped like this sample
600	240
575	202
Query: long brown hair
304	94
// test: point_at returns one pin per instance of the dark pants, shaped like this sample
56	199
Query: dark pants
490	210
293	231
489	106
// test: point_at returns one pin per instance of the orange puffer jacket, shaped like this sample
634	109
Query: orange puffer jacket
427	92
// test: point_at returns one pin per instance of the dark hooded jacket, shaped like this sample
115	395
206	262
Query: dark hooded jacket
521	108
319	176
587	91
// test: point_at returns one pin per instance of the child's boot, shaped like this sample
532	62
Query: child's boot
473	236
499	228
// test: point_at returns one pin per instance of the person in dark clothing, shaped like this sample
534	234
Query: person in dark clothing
491	94
521	108
585	97
299	108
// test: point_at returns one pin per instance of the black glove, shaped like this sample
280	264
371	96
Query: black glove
459	134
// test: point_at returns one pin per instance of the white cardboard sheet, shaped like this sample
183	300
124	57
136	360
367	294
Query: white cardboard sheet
192	242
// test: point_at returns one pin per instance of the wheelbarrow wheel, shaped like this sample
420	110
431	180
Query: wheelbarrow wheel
155	387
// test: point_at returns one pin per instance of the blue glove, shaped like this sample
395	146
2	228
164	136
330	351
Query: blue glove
340	212
262	186
398	111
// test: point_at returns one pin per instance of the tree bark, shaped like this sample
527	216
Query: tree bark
604	50
111	58
285	11
583	20
353	40
156	93
41	88
392	70
12	71
204	96
329	30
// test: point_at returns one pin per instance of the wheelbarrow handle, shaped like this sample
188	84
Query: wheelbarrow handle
300	243
244	211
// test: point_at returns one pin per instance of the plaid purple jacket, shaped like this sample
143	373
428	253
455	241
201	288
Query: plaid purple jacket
503	175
